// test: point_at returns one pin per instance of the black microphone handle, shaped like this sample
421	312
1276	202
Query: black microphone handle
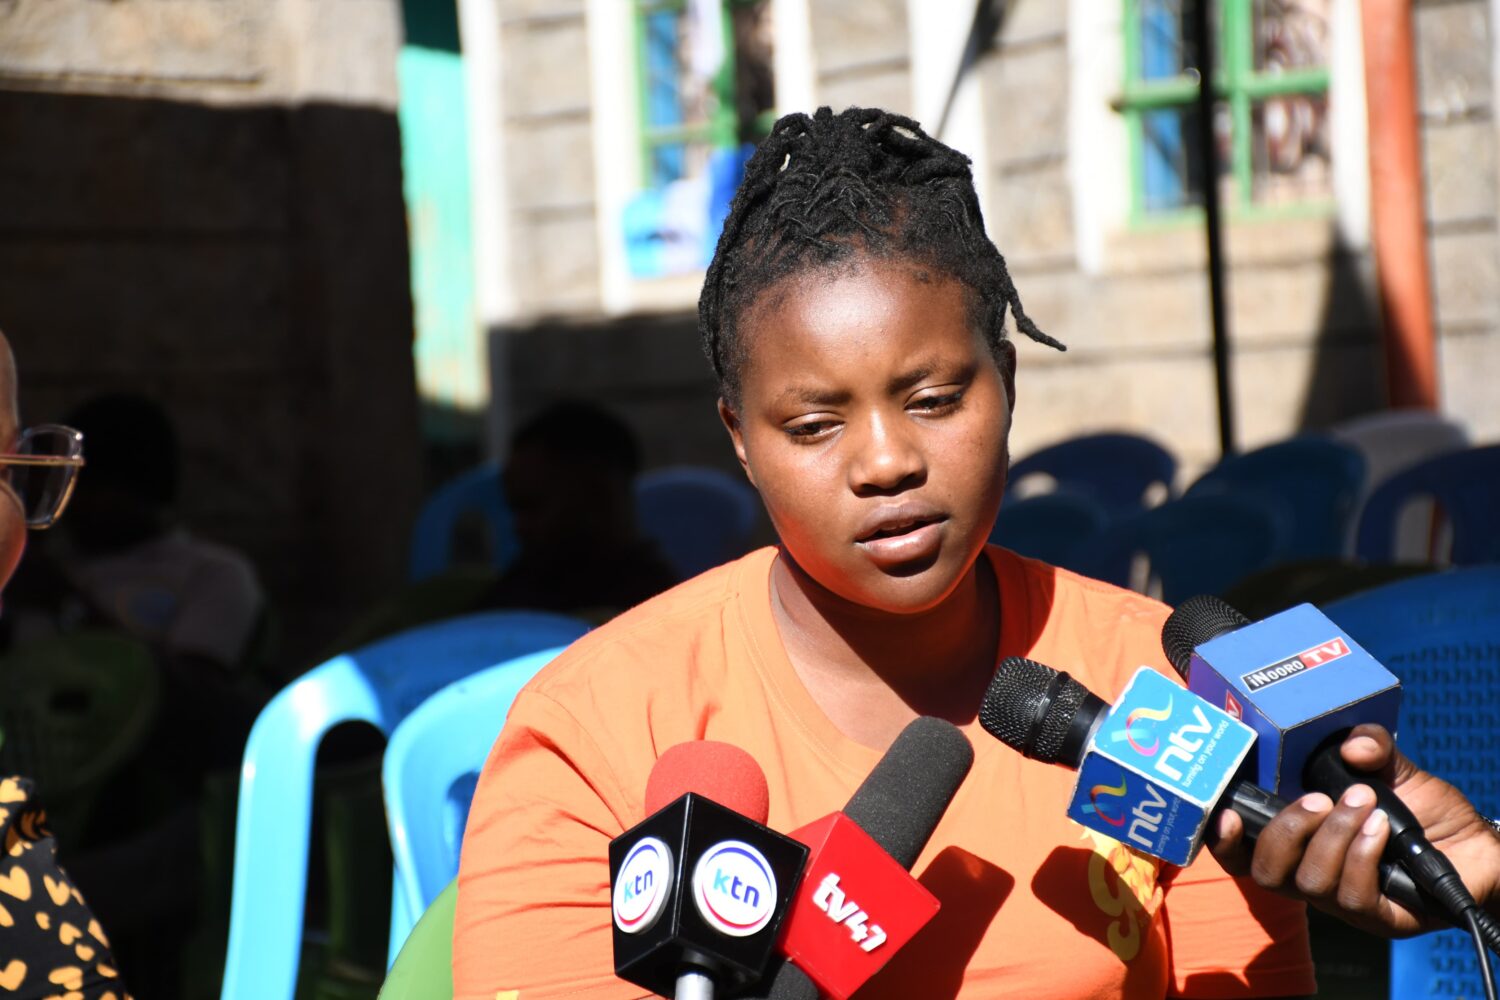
787	982
1257	807
1408	845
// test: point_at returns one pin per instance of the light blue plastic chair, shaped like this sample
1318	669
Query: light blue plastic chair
1116	470
698	517
379	684
1312	483
1440	634
475	492
429	772
1466	485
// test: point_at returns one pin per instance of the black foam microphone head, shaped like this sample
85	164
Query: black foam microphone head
1043	713
1196	621
901	800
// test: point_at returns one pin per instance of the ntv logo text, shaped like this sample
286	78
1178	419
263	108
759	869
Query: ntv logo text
831	900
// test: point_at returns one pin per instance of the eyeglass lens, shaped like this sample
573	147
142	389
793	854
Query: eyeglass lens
44	488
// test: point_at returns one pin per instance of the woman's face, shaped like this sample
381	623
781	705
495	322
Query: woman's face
873	420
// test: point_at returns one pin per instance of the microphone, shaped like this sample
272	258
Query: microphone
1048	716
859	904
1214	645
1296	678
700	888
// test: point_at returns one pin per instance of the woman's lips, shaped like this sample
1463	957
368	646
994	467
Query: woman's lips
920	540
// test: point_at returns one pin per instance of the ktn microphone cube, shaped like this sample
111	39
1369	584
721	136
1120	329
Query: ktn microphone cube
856	908
698	883
1296	678
1156	766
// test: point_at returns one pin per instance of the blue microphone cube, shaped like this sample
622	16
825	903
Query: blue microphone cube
1156	766
1296	678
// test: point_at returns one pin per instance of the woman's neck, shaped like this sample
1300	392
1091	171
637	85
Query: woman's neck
872	672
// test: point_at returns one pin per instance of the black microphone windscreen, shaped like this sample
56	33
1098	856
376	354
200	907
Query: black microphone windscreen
1196	621
1029	707
900	802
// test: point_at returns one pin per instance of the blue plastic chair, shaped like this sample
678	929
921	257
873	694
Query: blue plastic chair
379	684
1314	483
475	492
1052	527
429	773
1116	470
1466	485
1196	545
698	517
1438	634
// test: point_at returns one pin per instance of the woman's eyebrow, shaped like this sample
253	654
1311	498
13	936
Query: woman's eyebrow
927	369
809	396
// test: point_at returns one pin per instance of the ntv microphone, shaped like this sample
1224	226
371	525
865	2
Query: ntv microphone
1048	716
1302	704
859	904
699	888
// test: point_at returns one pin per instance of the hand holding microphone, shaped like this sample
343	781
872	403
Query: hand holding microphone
1368	800
1328	851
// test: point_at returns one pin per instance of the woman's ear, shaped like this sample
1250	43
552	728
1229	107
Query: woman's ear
731	423
1005	357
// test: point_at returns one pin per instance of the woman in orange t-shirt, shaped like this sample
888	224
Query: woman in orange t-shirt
854	317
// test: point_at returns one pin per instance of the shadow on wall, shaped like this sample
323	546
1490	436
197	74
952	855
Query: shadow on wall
1348	373
247	268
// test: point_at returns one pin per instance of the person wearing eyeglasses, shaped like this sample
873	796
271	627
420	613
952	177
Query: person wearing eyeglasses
50	942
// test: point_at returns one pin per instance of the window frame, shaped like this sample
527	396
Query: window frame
722	129
1237	83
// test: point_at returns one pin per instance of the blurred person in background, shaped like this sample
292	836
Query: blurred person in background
570	486
50	943
124	561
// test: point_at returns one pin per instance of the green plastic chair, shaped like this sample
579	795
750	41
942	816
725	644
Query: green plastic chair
423	969
73	709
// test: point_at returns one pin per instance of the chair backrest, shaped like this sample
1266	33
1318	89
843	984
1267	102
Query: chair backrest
379	684
1440	634
1466	484
1316	481
428	775
1195	544
73	708
1116	470
1052	527
476	492
424	968
1393	440
699	517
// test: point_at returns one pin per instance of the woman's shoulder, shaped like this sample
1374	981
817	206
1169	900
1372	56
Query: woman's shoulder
684	631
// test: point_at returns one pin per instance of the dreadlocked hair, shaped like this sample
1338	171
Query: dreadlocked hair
826	189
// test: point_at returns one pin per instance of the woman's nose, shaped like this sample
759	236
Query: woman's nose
886	458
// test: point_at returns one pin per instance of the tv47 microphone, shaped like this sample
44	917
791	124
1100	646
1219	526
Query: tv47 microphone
859	904
1217	647
700	890
1048	716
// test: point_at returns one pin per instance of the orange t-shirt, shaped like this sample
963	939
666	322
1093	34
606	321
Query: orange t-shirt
1032	904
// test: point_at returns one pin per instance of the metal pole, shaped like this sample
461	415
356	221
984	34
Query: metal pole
1209	152
693	983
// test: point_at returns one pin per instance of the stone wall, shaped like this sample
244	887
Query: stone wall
1301	314
203	204
1456	91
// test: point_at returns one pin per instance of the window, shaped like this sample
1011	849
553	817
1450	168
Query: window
1271	119
706	92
